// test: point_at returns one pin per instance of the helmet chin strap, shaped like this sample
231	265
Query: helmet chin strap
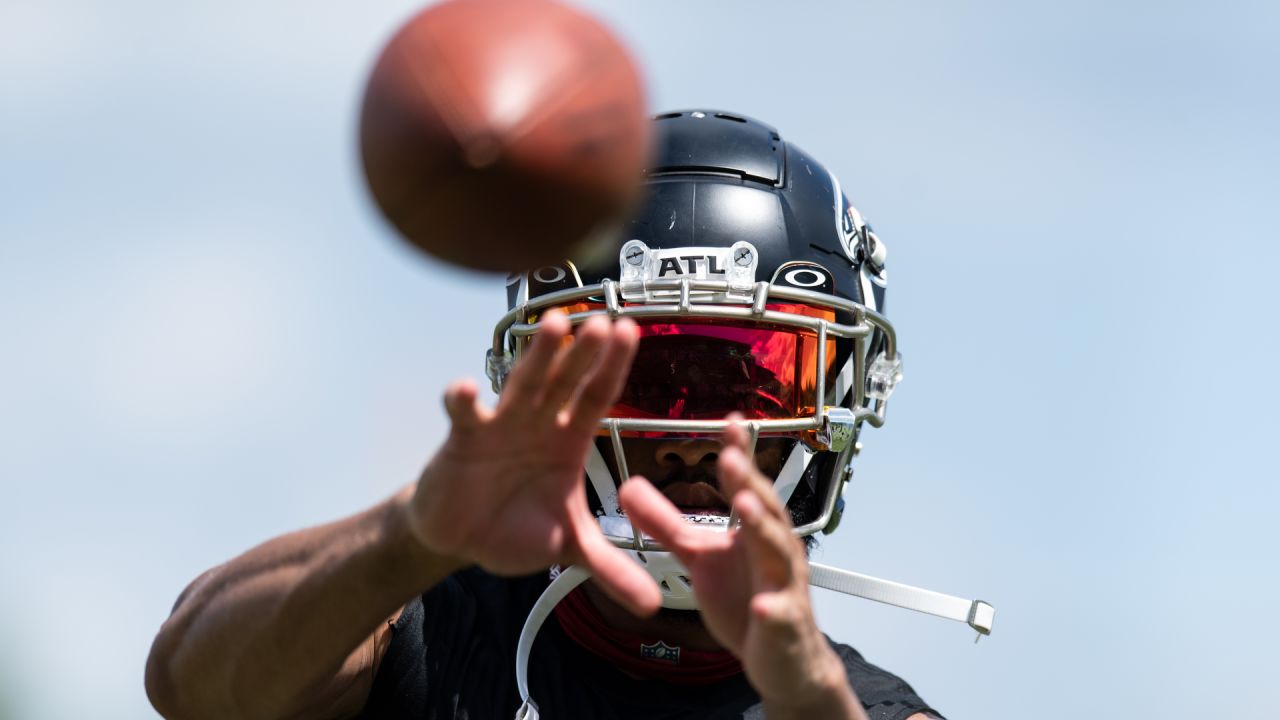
673	579
974	613
562	585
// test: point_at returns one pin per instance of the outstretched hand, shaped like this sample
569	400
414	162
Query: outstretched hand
752	583
505	491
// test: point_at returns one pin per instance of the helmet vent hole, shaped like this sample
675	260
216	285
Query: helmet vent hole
727	116
667	116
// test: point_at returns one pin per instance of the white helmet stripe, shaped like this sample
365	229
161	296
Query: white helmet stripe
792	470
602	480
868	296
844	381
838	201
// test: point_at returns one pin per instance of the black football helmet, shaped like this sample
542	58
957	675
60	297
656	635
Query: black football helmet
758	288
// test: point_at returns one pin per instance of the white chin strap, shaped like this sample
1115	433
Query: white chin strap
664	567
562	585
974	613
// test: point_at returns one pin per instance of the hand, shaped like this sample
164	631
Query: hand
752	584
506	490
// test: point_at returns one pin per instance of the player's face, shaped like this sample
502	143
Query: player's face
685	469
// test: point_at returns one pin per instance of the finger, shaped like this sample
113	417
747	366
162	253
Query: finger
526	379
736	435
774	549
737	473
572	363
656	516
620	576
462	405
605	383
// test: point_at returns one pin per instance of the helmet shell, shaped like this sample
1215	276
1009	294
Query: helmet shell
719	178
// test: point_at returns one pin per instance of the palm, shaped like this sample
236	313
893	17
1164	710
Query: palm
509	492
728	590
505	491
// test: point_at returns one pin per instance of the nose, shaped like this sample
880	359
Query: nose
689	453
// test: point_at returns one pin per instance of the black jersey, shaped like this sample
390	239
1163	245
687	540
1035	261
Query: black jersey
452	655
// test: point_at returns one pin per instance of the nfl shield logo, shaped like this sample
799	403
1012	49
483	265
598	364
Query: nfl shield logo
661	652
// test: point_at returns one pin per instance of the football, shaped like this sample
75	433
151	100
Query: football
504	134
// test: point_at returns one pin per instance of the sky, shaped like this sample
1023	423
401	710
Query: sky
210	337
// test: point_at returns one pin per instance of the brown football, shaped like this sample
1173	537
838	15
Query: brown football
504	134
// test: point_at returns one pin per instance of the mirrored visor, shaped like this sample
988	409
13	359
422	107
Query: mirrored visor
691	368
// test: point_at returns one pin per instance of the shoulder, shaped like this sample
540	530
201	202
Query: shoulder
491	589
470	601
463	628
884	695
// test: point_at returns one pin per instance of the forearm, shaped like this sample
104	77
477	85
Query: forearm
256	636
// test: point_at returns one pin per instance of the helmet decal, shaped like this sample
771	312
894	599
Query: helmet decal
640	266
550	278
806	276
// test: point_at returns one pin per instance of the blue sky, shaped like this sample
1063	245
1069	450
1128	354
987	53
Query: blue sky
210	338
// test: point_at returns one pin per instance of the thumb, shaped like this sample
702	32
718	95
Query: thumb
460	401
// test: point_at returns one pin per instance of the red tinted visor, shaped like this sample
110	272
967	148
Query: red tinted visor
705	368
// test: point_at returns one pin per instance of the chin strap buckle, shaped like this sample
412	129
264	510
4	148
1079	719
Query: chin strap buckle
839	428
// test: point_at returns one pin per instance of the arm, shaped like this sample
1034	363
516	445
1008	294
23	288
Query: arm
296	626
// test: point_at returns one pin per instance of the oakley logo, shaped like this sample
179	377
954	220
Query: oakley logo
805	278
672	265
807	275
549	274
